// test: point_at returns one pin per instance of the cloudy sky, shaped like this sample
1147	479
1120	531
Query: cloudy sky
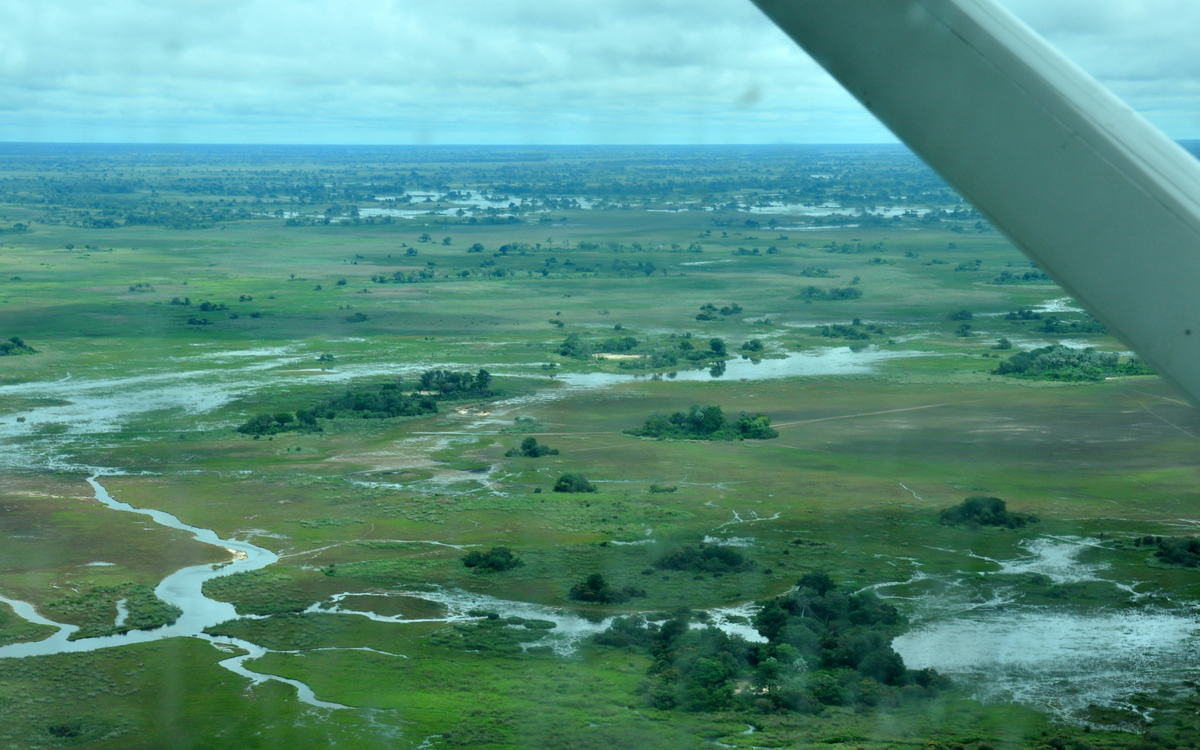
497	71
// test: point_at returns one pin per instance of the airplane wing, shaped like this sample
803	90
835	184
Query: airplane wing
1104	202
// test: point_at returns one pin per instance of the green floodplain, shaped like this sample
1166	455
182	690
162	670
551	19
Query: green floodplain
571	448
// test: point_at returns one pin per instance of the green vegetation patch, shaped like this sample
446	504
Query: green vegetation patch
491	634
1058	362
573	482
596	590
530	448
824	648
834	293
259	592
96	611
704	558
378	401
495	560
14	347
16	629
979	510
704	422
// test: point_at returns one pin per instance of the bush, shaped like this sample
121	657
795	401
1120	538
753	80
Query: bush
824	647
270	424
497	560
1057	362
980	510
617	345
704	558
572	482
595	589
531	449
15	346
704	422
574	347
817	293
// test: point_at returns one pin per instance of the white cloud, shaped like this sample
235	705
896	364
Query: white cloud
494	71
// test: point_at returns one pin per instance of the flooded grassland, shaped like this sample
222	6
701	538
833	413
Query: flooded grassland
168	580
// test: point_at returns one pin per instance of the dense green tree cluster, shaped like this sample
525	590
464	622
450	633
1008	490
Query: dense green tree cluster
447	383
617	345
1056	325
15	346
704	558
704	422
833	293
710	311
824	647
381	402
595	590
1184	550
530	448
272	424
1058	362
980	510
575	347
573	482
495	560
1011	278
378	401
1023	315
840	331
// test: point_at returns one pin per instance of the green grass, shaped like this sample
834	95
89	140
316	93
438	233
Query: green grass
853	484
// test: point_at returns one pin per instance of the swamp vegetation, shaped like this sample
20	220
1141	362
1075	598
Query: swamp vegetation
571	448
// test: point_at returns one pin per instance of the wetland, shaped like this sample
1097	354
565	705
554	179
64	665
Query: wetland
280	528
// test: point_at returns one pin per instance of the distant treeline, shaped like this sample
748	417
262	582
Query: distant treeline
379	401
188	187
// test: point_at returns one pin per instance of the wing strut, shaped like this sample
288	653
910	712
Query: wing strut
1102	200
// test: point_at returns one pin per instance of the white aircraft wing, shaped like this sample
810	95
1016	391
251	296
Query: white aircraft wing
1103	201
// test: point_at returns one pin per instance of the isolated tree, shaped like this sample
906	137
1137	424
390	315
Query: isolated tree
572	482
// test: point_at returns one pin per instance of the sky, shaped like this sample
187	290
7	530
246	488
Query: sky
498	71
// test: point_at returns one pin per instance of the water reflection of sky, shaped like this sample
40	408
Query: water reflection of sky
1051	657
829	361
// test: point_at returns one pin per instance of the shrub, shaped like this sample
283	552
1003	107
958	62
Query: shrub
15	346
497	560
817	293
980	510
572	482
704	422
704	558
1057	362
531	449
596	590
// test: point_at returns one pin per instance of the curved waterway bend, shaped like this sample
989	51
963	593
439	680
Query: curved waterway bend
183	588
